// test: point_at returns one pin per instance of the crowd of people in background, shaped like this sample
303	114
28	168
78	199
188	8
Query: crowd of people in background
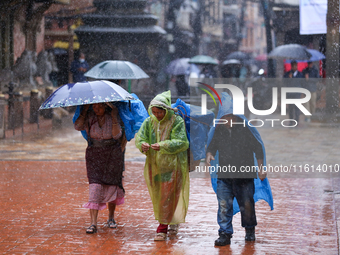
308	80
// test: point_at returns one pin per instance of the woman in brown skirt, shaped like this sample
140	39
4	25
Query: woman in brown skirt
104	160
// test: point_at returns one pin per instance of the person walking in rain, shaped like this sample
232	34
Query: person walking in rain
311	75
293	110
236	145
162	138
78	68
181	85
104	160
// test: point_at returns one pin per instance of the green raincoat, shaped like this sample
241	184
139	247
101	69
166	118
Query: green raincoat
166	171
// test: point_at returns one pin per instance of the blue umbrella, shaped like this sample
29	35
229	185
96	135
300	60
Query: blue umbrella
316	56
88	92
178	66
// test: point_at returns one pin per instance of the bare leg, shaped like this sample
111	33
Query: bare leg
111	222
112	208
93	228
94	216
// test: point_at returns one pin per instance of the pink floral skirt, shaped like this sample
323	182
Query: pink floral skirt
101	194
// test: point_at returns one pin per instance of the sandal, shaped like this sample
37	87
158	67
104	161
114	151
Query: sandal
173	229
91	229
160	237
112	223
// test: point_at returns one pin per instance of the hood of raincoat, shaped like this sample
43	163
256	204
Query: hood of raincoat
163	101
168	165
227	106
262	188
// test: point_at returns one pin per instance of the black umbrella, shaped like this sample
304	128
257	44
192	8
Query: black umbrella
238	55
290	51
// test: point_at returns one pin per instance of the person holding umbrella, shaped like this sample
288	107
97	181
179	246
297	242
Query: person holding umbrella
178	69
291	81
311	75
106	132
162	137
181	86
104	159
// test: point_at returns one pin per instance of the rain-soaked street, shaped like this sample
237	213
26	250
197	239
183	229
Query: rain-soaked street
43	186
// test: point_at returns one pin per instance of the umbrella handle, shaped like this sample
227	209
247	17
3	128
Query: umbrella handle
129	86
110	105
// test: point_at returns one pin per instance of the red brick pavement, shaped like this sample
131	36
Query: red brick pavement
42	214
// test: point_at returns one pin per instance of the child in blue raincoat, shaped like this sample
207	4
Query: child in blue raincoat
240	153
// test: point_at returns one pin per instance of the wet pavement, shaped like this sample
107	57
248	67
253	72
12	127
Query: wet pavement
43	186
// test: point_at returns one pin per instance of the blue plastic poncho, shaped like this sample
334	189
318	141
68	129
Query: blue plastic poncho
132	118
262	188
197	126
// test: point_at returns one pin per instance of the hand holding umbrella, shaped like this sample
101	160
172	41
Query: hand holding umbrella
114	113
84	111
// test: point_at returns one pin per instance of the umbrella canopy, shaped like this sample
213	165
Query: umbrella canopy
59	51
88	92
203	59
290	51
116	70
316	56
193	71
262	57
231	62
178	66
238	55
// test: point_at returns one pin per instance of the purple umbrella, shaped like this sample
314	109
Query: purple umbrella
87	92
178	66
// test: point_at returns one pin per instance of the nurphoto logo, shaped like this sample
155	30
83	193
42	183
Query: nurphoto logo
239	98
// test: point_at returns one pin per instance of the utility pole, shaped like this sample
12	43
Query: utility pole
197	27
241	24
266	15
171	26
332	57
